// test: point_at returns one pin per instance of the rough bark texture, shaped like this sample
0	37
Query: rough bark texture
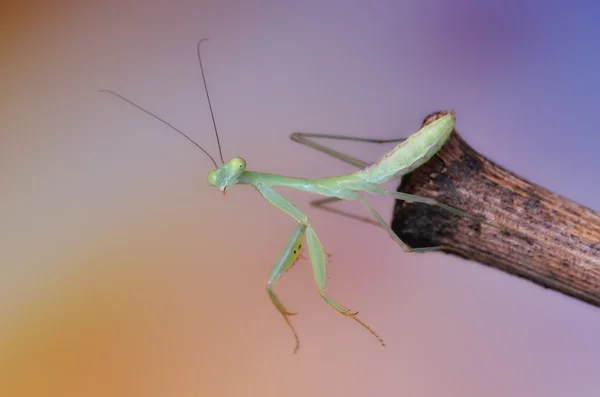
553	241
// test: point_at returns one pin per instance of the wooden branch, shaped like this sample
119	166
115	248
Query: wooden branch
554	242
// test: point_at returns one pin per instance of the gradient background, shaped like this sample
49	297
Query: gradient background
124	274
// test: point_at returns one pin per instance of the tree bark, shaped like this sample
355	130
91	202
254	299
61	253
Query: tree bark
551	240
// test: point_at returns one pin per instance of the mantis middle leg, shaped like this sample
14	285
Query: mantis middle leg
303	139
317	255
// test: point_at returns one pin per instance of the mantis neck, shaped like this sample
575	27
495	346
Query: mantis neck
256	178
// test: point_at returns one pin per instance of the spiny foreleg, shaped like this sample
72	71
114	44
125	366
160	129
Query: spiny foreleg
288	257
318	257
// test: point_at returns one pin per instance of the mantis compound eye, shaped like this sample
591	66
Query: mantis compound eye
212	178
237	165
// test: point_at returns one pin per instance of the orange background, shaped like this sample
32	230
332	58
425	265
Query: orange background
124	274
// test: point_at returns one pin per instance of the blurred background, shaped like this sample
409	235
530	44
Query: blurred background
123	273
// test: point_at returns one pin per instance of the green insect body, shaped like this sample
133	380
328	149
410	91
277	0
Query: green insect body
406	156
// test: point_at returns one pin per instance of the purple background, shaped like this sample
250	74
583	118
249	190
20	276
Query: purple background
124	274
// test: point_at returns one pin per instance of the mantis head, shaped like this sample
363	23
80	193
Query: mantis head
227	174
221	177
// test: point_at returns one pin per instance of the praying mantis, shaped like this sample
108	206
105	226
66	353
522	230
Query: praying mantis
406	156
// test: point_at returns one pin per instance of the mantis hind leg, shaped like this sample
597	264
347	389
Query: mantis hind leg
428	200
398	240
324	205
288	257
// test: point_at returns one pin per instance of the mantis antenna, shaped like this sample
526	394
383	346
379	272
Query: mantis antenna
212	114
171	125
401	160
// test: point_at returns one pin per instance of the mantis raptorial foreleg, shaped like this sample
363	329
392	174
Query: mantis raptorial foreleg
317	255
288	257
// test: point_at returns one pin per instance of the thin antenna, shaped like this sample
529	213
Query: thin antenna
162	121
212	115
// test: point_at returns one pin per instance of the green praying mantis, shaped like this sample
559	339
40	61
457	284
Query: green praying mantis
409	154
